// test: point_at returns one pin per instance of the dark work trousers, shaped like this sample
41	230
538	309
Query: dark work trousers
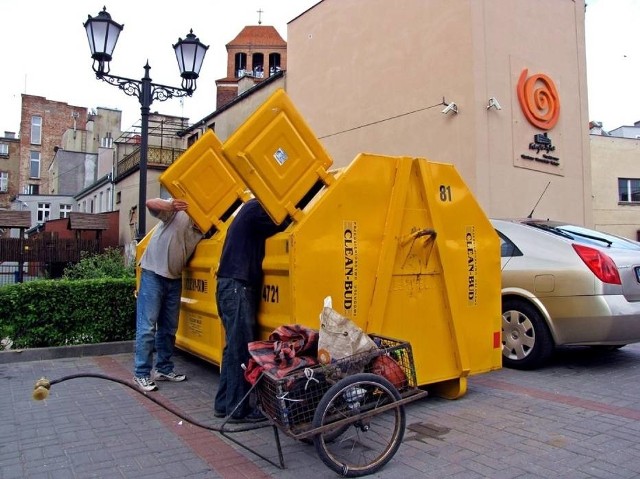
237	308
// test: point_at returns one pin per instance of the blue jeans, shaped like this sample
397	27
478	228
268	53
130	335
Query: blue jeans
158	310
237	307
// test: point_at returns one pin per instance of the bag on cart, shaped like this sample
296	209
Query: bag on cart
339	336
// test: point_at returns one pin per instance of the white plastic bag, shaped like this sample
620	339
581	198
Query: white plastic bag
339	336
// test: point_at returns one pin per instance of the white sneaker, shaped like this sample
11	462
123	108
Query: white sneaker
146	384
170	376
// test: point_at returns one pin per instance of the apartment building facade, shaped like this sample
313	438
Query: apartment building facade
42	124
9	168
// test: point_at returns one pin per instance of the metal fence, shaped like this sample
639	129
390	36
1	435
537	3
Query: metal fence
28	259
10	272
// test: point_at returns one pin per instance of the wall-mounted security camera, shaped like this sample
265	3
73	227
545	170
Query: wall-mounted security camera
493	103
450	107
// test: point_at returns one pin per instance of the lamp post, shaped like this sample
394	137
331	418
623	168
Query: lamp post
103	33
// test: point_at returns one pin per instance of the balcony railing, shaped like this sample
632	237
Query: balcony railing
156	157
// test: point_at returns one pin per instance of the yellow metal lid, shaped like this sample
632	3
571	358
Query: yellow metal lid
277	156
204	179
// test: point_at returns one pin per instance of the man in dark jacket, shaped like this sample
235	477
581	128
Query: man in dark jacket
239	280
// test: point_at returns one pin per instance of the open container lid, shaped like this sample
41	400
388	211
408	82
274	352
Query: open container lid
278	157
203	178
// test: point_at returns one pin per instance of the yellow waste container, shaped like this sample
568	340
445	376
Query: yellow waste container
399	243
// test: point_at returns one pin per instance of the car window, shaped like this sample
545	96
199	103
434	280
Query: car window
592	237
551	229
507	247
585	236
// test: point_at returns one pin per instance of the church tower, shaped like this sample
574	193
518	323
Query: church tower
253	56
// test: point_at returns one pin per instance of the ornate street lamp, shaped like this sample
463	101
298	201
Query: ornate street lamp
103	33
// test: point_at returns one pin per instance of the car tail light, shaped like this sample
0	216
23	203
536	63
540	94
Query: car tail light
598	262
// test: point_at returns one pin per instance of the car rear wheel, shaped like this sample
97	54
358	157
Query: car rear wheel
526	341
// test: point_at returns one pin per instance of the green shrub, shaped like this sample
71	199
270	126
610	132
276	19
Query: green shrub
108	264
64	312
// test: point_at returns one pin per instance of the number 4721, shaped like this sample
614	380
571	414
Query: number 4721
270	293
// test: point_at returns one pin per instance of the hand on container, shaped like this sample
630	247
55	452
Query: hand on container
179	205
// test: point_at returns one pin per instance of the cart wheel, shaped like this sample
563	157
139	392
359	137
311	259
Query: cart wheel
370	440
329	436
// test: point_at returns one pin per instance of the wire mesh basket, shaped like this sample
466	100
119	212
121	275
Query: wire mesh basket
291	401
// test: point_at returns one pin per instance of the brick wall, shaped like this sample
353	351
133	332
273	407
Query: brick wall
225	95
57	117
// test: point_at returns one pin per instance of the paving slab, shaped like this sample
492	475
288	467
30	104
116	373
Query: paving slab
578	417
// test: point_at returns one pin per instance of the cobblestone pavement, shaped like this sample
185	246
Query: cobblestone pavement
577	418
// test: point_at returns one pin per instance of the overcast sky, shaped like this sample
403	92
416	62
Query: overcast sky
45	52
612	31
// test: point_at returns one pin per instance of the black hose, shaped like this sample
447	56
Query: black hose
41	391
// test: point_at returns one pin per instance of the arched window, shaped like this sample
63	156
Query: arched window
274	63
257	61
241	65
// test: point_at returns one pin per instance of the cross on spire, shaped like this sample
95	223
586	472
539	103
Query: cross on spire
260	12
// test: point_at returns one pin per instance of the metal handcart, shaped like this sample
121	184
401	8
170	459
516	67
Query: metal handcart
351	409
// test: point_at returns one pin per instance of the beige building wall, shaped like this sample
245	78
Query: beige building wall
613	158
229	118
127	196
105	126
372	76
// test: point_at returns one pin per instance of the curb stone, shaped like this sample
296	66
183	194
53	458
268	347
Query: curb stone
59	352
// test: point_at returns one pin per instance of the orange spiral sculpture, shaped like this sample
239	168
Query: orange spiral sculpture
540	105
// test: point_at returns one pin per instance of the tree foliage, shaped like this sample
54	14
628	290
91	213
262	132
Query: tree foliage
109	264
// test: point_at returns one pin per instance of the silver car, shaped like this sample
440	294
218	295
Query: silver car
564	284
